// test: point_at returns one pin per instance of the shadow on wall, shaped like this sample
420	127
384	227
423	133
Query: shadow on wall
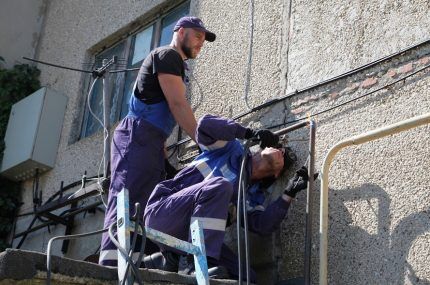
360	255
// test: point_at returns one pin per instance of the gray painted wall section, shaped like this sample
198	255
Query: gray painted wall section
21	23
379	202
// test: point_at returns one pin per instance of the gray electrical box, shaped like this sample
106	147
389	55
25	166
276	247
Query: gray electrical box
33	134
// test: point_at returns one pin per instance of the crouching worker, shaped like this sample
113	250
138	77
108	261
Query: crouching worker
205	188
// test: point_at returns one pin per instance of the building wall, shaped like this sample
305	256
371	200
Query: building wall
19	35
379	202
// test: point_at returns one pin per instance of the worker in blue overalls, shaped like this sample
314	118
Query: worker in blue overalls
157	103
204	190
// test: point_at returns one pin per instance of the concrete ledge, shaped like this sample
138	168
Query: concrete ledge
28	267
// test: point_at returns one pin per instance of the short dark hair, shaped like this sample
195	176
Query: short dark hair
289	159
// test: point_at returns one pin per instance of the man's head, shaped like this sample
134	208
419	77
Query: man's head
190	34
267	163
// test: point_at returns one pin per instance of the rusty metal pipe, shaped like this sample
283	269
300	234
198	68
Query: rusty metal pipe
309	203
292	128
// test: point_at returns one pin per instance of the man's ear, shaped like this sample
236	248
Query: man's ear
181	32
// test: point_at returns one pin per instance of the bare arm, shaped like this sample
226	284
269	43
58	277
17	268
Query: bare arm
174	91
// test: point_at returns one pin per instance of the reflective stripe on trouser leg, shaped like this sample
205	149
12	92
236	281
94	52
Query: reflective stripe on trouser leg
210	223
128	168
213	232
109	254
171	214
212	209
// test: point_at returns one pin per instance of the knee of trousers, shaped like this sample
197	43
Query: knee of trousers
219	187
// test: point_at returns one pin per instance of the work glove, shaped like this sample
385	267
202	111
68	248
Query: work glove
298	182
266	137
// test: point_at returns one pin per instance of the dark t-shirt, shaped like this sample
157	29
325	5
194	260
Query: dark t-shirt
161	60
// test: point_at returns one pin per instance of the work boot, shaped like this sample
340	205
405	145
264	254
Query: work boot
215	271
166	261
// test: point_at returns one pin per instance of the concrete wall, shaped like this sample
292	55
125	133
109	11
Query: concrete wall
379	202
20	26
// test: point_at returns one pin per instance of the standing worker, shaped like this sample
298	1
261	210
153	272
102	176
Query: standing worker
158	100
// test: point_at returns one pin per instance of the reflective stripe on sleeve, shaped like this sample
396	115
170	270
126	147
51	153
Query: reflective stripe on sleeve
204	169
215	145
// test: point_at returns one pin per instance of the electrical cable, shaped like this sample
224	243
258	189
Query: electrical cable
316	85
241	200
199	101
57	65
62	190
25	235
124	253
344	103
288	96
250	48
138	223
332	79
136	218
89	103
353	71
313	115
352	100
83	182
37	196
105	137
245	223
124	70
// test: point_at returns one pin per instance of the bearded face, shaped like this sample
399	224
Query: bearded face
192	42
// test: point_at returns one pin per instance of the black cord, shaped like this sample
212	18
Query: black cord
59	192
136	218
352	100
124	70
329	109
314	86
124	253
57	65
241	207
340	76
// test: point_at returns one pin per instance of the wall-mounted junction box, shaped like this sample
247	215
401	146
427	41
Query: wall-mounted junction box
33	134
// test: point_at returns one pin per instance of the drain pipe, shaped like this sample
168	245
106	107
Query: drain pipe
355	140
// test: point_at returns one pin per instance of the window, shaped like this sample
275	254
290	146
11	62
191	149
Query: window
130	52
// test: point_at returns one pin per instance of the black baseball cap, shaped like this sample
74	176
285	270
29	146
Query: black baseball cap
195	23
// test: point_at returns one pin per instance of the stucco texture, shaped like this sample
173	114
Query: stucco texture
378	199
379	202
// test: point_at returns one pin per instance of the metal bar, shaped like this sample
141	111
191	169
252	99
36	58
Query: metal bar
245	226
171	241
48	251
168	240
25	233
54	218
93	205
123	232
106	121
355	140
309	203
200	262
292	128
68	231
124	225
67	200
